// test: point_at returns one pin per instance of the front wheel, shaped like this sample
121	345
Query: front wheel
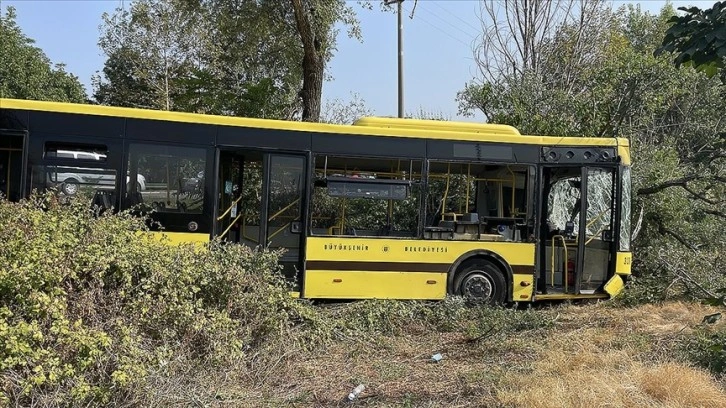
481	281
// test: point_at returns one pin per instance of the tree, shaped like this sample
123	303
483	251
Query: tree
229	57
27	73
217	57
150	48
515	34
341	112
315	20
698	38
672	117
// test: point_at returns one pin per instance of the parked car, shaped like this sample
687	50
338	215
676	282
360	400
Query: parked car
70	179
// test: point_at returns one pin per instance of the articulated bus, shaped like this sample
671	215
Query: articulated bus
383	208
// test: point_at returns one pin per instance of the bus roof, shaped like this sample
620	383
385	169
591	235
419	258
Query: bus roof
398	123
373	126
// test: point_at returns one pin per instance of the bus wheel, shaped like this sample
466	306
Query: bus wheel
70	187
481	281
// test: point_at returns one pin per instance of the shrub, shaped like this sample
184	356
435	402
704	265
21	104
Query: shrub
89	306
707	348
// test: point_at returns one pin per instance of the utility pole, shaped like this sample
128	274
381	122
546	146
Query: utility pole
400	53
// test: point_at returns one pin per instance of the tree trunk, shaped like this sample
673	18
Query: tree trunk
313	64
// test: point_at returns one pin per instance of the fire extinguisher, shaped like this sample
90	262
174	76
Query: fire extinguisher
570	272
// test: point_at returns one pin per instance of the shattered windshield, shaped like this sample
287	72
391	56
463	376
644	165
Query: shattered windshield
625	210
564	201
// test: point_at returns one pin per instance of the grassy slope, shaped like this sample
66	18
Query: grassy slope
593	355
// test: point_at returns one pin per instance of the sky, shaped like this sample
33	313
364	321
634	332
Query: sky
438	47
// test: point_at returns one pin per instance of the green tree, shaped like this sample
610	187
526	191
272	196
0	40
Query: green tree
150	47
698	38
242	58
672	118
27	73
315	21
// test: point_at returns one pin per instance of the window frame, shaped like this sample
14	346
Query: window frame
418	170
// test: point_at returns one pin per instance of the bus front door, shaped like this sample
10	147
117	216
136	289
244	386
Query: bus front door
13	160
596	229
260	203
576	242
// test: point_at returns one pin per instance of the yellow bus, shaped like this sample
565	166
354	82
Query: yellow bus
383	208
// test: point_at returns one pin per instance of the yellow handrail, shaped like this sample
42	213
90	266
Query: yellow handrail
514	189
468	185
229	209
598	217
446	191
230	225
279	230
284	209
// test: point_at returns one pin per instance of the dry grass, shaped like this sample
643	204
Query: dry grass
594	356
611	357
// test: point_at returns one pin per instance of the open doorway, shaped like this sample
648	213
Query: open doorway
576	230
12	164
261	203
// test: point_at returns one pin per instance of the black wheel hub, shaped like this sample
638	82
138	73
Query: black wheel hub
478	286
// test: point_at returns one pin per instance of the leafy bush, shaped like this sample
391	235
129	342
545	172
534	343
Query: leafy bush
452	314
89	305
94	311
707	348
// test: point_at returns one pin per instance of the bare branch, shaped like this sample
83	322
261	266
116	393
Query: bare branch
716	213
667	184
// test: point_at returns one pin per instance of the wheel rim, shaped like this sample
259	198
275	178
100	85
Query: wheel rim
478	286
70	188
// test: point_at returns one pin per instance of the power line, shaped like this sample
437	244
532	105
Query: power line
439	28
476	29
447	22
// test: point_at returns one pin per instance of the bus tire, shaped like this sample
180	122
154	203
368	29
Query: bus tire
481	281
70	187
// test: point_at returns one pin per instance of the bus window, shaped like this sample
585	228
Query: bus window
76	169
366	197
563	202
168	178
474	201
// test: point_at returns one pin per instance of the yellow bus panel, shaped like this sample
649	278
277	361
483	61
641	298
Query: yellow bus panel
176	238
522	288
623	263
323	284
614	286
410	250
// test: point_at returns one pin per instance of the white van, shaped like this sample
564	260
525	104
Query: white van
69	179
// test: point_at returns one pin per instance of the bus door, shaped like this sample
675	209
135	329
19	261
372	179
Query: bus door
284	196
576	242
230	213
260	203
13	163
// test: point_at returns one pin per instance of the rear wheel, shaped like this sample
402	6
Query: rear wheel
481	281
70	187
